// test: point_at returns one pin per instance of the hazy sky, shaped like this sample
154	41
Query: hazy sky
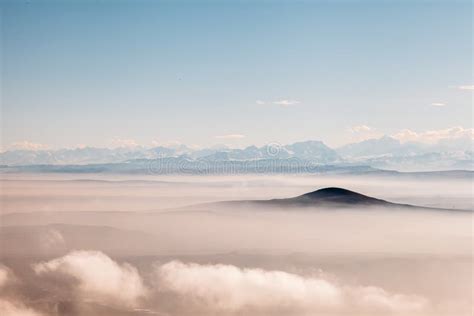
95	72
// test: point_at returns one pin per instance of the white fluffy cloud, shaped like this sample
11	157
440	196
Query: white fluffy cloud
466	87
363	132
282	102
221	289
4	275
285	102
230	136
124	143
99	277
51	239
438	104
168	143
372	299
434	136
361	128
230	288
27	145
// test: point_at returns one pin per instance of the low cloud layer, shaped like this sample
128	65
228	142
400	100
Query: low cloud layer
230	288
99	277
9	306
220	289
4	275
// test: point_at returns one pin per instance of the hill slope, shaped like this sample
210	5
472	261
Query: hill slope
330	197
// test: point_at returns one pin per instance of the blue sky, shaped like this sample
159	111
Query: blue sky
236	72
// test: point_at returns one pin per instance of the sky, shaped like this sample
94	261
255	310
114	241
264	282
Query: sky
100	73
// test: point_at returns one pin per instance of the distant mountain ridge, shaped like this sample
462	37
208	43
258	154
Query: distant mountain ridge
380	147
385	152
308	150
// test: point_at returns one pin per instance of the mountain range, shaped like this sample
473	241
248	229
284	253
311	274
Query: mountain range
385	152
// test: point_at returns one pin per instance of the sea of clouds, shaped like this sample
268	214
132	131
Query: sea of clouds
179	288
